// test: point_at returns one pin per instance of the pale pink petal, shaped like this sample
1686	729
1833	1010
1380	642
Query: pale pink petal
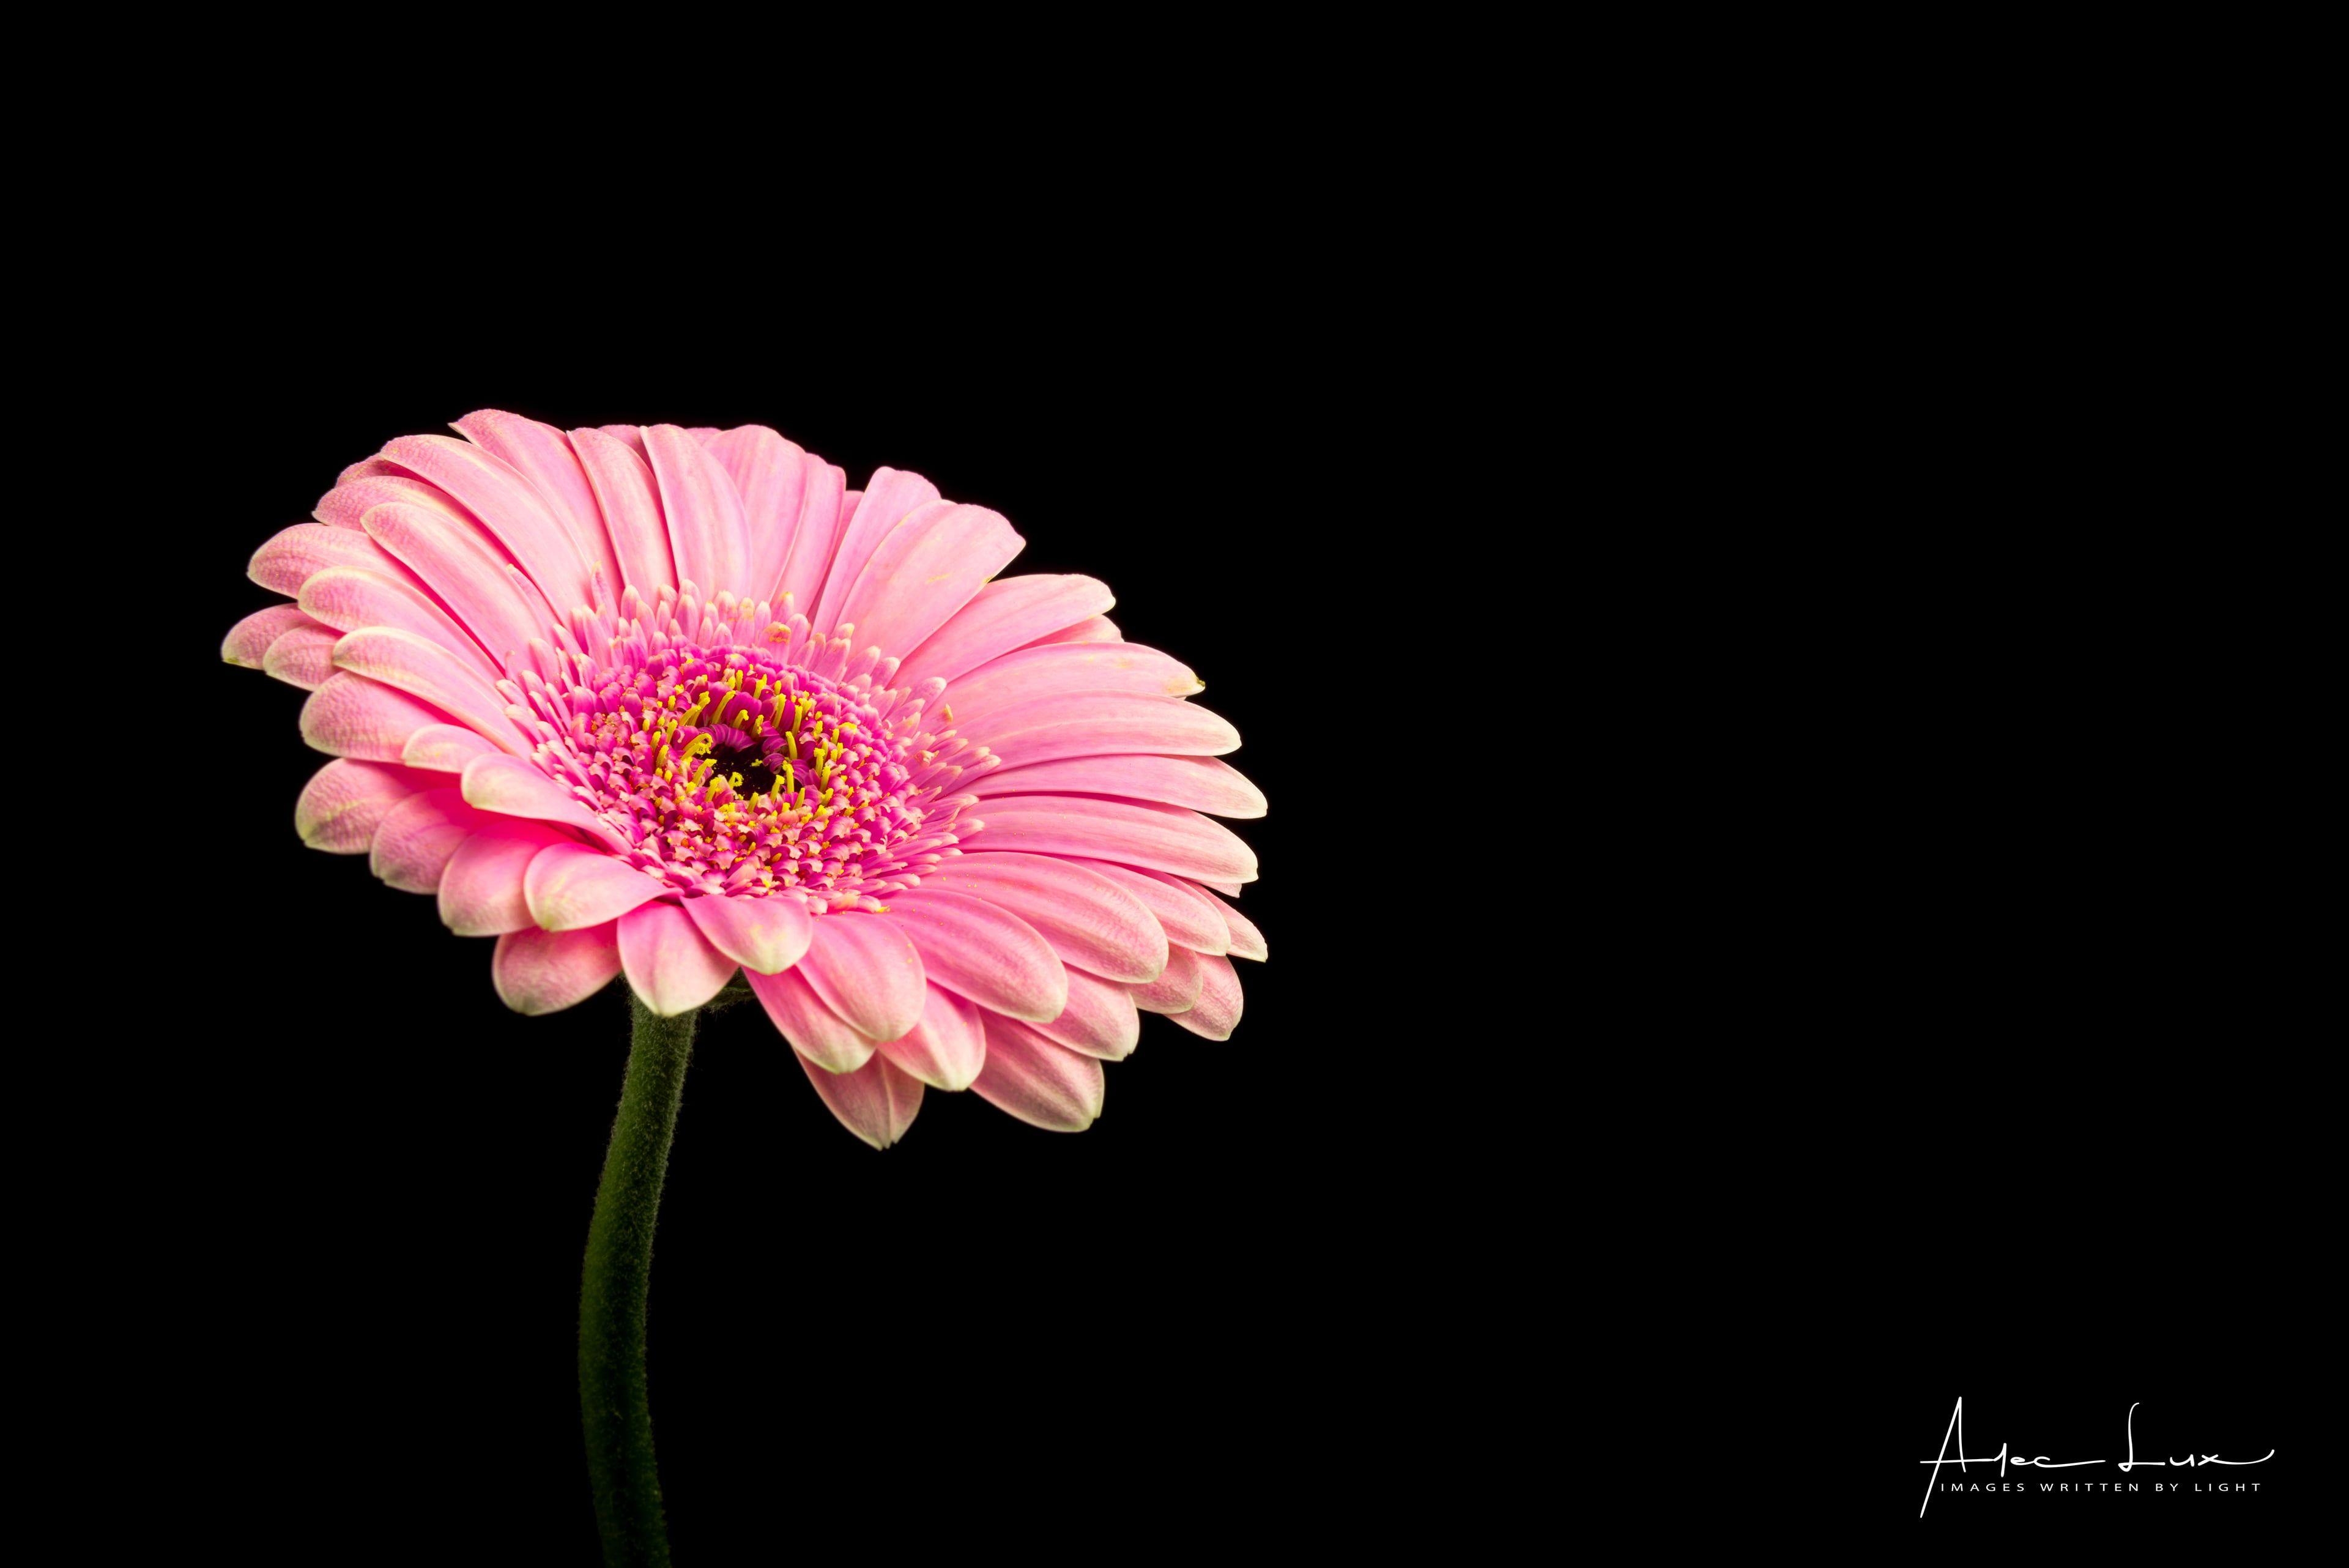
628	436
425	670
414	841
1217	1012
769	475
877	1102
481	890
1097	629
1130	833
1103	723
671	965
630	499
707	533
889	495
511	787
1101	1019
947	1047
347	502
343	801
924	570
1189	916
766	936
1043	1085
347	599
542	456
303	656
866	970
1090	920
1247	941
248	641
571	888
464	568
1177	990
983	951
1203	784
506	504
813	538
1058	668
540	971
351	716
293	555
448	747
1007	614
814	1030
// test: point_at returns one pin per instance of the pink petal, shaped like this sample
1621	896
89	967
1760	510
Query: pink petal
248	641
1090	920
889	496
347	599
766	936
1188	916
707	533
865	968
414	841
947	1047
1007	614
769	475
343	801
1177	990
813	538
481	888
293	554
982	952
1059	667
1217	1012
1247	941
630	499
924	570
1130	833
1097	629
425	670
511	787
1102	723
665	958
303	656
351	716
447	747
814	1030
1043	1085
1203	784
1101	1019
877	1102
507	507
542	457
465	570
540	971
347	503
570	888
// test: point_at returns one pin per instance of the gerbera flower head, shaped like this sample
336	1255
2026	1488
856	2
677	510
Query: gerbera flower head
677	704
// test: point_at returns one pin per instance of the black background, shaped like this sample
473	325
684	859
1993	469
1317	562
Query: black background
1935	1023
383	1176
2063	1244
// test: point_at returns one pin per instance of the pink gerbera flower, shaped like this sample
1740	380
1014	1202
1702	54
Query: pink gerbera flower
672	704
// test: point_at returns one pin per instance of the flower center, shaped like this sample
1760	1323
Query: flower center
738	768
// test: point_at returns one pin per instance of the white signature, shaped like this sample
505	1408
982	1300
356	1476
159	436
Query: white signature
1957	1425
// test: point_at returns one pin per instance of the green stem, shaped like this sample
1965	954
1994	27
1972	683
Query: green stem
613	1288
